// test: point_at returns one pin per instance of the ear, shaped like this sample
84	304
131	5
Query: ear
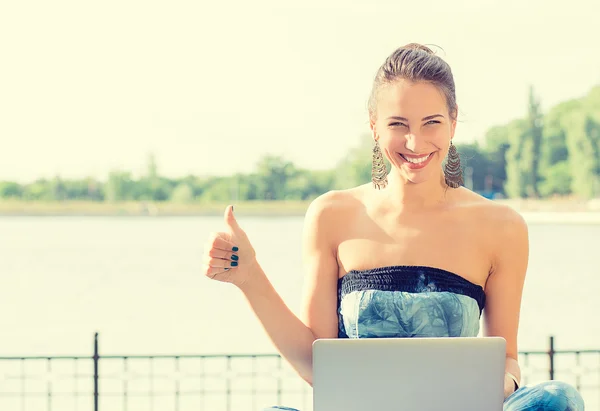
453	129
453	125
373	130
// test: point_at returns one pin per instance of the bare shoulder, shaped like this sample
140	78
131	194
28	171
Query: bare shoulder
503	230
328	214
493	215
508	220
510	238
323	229
504	220
336	202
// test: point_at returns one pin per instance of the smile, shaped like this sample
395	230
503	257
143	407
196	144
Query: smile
416	162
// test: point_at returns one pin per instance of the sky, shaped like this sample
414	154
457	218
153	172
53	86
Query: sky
211	87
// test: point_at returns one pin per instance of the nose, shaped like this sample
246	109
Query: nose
414	143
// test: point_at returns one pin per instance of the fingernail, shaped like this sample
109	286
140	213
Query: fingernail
235	249
235	257
234	263
227	269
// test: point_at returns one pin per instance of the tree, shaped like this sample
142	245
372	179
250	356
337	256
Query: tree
583	157
475	165
557	180
9	189
275	173
535	124
183	194
496	147
518	160
119	186
355	168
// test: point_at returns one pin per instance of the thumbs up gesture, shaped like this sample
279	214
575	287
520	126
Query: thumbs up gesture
228	255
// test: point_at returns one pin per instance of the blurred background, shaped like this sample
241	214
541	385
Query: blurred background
127	127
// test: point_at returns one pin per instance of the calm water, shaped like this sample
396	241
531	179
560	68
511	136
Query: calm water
137	282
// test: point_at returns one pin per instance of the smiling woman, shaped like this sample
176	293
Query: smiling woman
413	114
419	256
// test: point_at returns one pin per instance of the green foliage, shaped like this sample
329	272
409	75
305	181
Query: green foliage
583	154
534	134
476	166
183	194
120	186
355	168
276	174
517	160
557	181
553	154
9	189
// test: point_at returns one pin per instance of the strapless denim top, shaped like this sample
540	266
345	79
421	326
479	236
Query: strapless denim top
408	301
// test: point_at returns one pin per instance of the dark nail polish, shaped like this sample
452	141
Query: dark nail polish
227	269
234	263
235	257
235	249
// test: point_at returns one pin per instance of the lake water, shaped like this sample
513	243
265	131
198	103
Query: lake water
137	282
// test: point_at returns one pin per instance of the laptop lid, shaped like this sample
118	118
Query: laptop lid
412	374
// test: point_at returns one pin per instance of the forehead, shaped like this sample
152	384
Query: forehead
411	100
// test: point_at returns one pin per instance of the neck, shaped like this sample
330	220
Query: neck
404	195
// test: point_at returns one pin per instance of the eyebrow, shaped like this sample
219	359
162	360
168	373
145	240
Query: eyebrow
423	119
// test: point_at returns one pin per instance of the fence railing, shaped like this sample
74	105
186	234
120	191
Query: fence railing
215	382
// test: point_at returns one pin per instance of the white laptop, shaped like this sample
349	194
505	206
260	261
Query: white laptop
409	374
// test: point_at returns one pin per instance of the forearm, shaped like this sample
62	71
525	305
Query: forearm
292	338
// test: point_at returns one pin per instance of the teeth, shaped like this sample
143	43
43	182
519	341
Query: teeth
416	160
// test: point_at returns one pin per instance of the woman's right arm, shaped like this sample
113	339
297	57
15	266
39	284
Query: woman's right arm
292	336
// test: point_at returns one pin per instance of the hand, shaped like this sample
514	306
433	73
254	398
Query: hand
228	256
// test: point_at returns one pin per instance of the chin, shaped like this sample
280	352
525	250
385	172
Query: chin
417	179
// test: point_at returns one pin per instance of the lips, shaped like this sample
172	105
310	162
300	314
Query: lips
415	162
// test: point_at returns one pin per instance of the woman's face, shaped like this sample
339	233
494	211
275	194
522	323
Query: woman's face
414	128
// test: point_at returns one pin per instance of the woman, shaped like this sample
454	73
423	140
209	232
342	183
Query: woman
414	254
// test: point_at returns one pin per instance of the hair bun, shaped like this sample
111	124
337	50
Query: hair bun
417	46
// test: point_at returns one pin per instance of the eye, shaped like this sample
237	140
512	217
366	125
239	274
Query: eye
397	124
432	122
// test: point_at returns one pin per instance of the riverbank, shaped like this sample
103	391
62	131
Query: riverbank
579	209
153	209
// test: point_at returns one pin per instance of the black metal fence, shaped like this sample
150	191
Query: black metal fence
214	382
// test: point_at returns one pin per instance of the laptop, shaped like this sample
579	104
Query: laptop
409	374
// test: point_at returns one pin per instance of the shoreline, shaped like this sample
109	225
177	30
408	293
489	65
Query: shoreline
536	209
148	209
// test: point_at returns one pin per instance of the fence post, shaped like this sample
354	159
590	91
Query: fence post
96	358
228	383
279	382
551	355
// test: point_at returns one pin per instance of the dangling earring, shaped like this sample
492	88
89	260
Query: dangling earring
378	170
452	169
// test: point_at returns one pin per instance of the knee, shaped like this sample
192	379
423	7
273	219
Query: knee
561	396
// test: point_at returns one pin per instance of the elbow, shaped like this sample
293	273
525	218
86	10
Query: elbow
512	366
307	375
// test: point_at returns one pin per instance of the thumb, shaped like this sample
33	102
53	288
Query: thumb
231	222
